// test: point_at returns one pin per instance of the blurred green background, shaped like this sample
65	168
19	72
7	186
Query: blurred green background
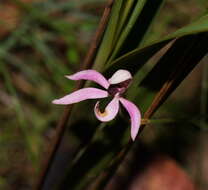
43	40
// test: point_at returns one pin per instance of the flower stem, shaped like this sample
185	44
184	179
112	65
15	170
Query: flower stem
61	127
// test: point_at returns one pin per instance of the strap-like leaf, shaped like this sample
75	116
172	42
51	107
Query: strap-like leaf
138	57
108	39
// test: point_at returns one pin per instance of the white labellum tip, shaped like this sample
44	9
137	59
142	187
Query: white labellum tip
120	76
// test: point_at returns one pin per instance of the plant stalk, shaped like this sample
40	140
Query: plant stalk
61	127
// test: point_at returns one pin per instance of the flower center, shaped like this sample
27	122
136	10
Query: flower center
119	88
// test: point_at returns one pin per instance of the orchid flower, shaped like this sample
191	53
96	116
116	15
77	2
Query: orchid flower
115	87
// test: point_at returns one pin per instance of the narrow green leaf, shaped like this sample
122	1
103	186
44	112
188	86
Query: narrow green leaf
135	59
107	42
139	32
171	69
136	12
200	25
126	10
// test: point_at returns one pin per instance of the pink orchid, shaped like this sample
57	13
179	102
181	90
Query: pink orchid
115	86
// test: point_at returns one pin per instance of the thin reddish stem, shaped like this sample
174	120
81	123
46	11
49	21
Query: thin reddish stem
61	127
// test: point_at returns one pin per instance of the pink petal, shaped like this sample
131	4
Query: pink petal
110	111
134	115
80	95
90	75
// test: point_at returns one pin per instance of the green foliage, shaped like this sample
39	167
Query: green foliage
34	57
189	48
44	47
